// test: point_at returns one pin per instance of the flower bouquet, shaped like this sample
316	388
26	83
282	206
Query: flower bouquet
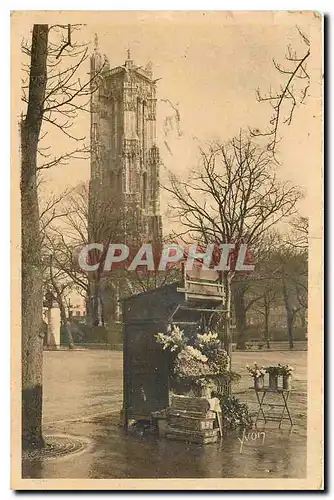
274	372
257	374
286	372
198	361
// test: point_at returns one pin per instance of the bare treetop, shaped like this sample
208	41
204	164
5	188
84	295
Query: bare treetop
289	96
234	196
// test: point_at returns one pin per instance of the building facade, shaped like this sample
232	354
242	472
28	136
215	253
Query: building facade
125	157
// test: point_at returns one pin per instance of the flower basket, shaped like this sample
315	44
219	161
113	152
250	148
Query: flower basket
287	382
259	383
194	386
257	374
198	364
274	372
273	381
286	371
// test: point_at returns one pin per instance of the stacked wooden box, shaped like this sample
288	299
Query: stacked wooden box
190	419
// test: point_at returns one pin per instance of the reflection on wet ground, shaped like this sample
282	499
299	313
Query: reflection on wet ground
83	393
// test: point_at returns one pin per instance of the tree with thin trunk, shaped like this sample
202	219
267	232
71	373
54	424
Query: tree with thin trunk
266	300
292	270
234	197
86	218
54	95
32	294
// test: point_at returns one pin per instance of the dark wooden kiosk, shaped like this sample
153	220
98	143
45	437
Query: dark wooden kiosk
193	302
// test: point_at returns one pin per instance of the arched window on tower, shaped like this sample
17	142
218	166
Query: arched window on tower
116	134
144	126
112	135
112	179
127	188
118	184
144	190
138	118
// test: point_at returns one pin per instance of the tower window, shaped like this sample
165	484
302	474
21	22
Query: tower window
127	175
144	192
116	123
113	130
138	117
143	125
112	179
95	132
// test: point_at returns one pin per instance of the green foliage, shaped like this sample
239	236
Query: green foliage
234	413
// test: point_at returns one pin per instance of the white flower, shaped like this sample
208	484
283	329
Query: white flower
207	338
195	353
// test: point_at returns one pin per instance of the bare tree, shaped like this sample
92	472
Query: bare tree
291	94
251	290
281	277
32	295
83	213
267	298
233	197
53	94
57	282
87	217
299	234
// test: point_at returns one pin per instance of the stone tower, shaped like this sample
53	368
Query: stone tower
125	158
124	184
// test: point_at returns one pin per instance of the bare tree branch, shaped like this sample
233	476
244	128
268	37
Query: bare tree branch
287	94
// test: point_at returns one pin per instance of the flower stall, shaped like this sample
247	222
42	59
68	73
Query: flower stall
169	346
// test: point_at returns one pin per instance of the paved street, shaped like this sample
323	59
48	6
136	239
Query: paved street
83	396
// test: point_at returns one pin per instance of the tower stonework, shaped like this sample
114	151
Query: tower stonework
125	157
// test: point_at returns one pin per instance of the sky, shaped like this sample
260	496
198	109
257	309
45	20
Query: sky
209	65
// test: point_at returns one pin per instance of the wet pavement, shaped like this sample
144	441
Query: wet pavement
83	397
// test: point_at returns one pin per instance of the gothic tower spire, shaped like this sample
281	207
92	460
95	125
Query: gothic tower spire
96	43
96	59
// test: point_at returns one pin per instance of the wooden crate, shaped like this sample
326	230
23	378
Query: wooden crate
199	437
194	414
192	404
191	423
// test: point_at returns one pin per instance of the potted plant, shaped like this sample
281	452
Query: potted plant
258	375
274	372
287	377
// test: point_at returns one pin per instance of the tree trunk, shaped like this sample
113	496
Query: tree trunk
266	323
32	293
94	302
67	325
240	314
65	322
290	330
289	313
227	340
60	302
